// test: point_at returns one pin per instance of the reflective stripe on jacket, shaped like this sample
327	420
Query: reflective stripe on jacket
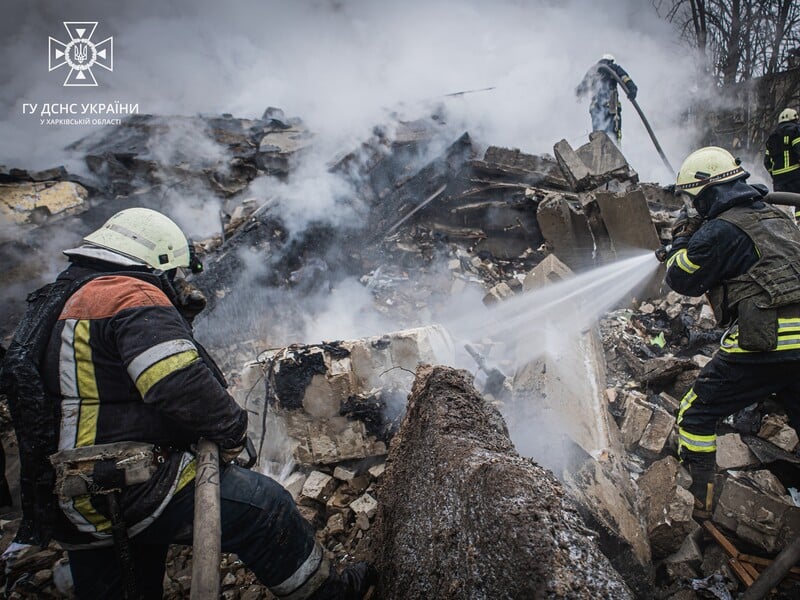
123	366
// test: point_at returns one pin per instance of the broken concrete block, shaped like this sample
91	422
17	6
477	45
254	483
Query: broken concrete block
549	270
637	417
324	394
336	524
343	474
604	160
574	169
365	504
294	484
566	231
37	202
657	432
340	499
733	453
499	292
377	470
755	506
317	391
668	507
319	486
775	429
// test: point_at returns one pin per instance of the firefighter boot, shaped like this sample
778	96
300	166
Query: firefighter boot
351	584
701	467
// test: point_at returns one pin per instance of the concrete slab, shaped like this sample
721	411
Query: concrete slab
604	159
575	170
566	231
307	420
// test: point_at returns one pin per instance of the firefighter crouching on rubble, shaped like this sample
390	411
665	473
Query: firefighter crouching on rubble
133	391
744	254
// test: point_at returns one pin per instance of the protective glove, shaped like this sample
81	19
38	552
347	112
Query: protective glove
190	300
685	225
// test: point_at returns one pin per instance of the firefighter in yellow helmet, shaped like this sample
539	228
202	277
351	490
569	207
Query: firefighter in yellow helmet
108	416
744	255
782	154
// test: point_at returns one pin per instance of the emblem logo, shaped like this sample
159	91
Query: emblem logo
80	54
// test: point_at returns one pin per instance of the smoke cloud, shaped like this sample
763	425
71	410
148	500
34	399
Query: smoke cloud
343	67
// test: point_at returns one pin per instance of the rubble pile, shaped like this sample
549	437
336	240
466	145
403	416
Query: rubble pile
437	501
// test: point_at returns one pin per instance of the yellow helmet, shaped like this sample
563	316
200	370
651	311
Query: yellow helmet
144	235
707	167
787	114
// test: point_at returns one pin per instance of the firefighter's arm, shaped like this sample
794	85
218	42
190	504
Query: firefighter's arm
630	87
164	364
796	145
690	265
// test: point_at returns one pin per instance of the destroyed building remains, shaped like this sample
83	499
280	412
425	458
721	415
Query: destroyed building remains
420	447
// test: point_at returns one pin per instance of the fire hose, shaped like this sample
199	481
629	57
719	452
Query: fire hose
207	546
635	104
207	531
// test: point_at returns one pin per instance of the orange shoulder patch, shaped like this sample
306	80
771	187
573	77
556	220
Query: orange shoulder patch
106	296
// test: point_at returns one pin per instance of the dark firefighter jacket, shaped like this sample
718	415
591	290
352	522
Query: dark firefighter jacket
124	366
782	158
725	258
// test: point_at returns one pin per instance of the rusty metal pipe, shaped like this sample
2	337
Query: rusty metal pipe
207	546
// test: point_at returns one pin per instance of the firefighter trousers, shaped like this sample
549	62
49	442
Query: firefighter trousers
724	387
260	524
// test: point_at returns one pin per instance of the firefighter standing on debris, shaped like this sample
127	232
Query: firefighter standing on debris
605	108
782	156
744	254
132	392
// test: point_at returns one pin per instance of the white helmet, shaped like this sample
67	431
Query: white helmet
144	235
788	114
608	57
707	167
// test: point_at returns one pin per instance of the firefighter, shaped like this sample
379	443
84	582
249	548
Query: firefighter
744	255
605	108
782	156
133	391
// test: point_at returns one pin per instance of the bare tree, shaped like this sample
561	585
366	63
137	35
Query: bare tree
736	40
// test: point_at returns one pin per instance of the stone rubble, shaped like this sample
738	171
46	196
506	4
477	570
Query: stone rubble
498	222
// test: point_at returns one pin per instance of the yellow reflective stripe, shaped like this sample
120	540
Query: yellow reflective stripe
788	338
786	169
186	476
83	504
695	442
686	402
162	368
87	386
681	260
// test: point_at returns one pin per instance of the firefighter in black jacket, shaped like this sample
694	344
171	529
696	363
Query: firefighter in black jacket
744	254
134	391
605	108
782	156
